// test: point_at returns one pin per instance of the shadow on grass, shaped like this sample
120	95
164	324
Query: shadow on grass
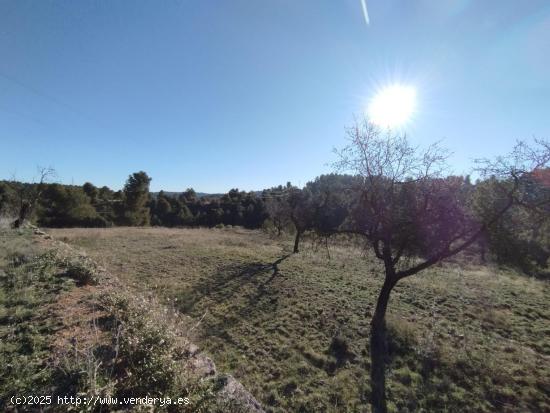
227	282
238	292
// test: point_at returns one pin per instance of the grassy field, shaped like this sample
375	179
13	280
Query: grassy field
69	328
294	328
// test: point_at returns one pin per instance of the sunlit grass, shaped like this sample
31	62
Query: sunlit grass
463	337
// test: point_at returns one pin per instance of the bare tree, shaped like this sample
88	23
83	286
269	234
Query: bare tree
413	217
29	194
291	206
302	211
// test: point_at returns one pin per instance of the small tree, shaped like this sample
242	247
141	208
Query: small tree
278	210
92	191
163	210
320	206
406	209
301	213
28	195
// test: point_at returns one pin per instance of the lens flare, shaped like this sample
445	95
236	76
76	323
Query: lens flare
393	106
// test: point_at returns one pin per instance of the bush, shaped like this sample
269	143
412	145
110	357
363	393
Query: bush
80	268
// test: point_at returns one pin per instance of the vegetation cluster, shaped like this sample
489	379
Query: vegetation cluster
67	328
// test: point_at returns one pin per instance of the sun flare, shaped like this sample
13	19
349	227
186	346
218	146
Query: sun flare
392	106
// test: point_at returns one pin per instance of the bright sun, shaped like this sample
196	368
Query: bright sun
393	106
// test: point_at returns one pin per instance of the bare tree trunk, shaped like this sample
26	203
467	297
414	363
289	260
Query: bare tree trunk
29	200
378	347
23	213
297	241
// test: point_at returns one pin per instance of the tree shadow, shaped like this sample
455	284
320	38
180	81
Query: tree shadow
240	287
228	281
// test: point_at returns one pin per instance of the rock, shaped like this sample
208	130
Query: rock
235	391
192	350
202	366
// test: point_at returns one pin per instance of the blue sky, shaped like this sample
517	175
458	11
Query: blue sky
251	94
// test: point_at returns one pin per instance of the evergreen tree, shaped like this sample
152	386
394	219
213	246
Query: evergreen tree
136	197
91	191
67	206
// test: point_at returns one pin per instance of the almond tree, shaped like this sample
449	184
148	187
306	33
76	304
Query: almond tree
413	217
291	205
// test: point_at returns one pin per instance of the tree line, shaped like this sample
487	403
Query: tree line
58	205
332	203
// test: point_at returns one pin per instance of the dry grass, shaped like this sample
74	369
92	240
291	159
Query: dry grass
463	338
68	327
